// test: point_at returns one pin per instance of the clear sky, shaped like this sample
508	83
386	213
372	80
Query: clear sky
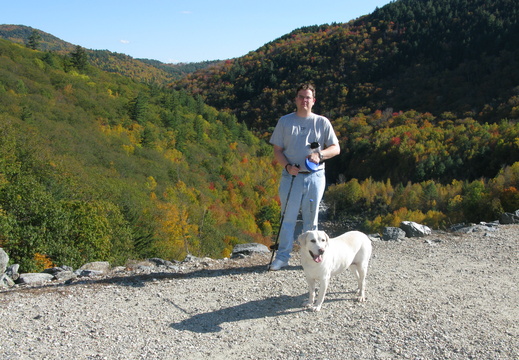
175	31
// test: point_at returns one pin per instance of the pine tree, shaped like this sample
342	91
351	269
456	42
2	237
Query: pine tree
79	58
34	40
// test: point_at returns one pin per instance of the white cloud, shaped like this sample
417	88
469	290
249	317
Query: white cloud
186	12
124	41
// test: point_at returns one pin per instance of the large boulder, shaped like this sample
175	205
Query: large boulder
62	273
509	218
242	250
97	266
393	234
34	278
413	229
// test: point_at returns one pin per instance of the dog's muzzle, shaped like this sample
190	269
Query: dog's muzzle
317	257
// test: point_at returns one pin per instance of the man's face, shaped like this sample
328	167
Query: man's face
305	100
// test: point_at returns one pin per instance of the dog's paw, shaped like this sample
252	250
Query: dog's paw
315	308
308	304
361	299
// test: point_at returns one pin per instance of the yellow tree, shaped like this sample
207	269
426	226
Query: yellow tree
177	235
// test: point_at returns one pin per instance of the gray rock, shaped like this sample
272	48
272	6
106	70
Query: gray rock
65	275
53	271
119	269
5	281
161	262
413	229
509	218
248	249
476	228
4	259
12	271
456	227
34	278
393	234
97	266
190	258
375	237
88	273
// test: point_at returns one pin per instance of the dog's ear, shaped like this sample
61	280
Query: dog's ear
324	235
301	239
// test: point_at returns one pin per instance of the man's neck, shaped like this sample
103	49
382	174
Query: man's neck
304	113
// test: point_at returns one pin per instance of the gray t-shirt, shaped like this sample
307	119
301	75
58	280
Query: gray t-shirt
295	134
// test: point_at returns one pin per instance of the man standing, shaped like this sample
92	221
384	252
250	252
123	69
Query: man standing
302	141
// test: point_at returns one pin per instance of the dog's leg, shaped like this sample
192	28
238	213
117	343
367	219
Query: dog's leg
362	272
322	291
311	293
353	269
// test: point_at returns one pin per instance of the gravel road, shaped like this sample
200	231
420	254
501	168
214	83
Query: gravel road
445	296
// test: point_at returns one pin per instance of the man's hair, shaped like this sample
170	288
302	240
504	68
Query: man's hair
306	86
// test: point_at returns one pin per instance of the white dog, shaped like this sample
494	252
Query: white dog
323	257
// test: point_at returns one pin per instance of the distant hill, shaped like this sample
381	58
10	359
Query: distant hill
178	71
145	70
20	34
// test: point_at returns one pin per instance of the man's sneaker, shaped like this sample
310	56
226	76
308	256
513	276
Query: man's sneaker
278	264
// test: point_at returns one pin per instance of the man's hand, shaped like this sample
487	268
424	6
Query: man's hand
314	157
293	169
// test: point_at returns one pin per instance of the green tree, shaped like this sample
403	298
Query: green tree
79	58
138	108
34	40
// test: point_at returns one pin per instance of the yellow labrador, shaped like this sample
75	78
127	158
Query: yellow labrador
323	257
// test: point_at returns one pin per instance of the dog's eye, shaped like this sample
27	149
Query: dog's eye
313	240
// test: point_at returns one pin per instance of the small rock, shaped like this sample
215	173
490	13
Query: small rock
34	278
98	266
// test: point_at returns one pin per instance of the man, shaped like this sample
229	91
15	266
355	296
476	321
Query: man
300	137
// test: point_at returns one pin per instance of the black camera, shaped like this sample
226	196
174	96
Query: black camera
314	145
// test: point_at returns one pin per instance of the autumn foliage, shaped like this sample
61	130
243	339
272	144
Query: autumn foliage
102	160
95	166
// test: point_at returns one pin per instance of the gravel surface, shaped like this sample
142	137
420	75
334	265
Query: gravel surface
444	296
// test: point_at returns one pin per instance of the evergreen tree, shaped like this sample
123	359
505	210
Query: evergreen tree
79	58
34	40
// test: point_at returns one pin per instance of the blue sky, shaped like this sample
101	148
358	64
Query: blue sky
178	30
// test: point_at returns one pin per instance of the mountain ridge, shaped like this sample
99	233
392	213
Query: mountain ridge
145	70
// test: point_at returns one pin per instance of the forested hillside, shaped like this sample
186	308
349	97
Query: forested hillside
103	157
455	56
96	166
424	96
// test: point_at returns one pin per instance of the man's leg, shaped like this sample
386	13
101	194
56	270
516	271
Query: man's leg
286	235
314	184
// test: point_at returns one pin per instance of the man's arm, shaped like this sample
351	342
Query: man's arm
282	160
328	153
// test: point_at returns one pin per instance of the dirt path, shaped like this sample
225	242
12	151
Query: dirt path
440	297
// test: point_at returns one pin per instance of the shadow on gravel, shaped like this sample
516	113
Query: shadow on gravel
140	280
211	321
